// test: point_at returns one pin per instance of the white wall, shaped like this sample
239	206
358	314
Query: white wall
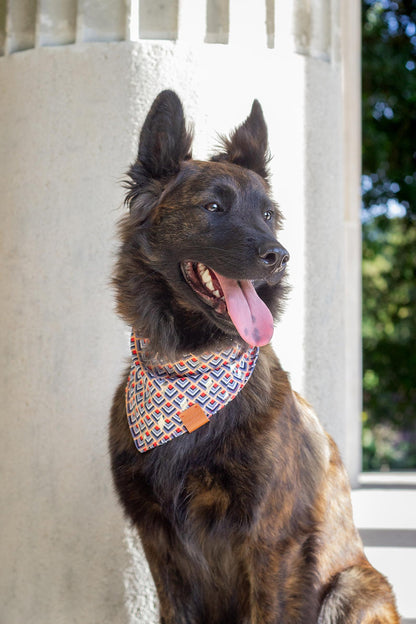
62	531
70	120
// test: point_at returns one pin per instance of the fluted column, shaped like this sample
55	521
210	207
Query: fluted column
56	22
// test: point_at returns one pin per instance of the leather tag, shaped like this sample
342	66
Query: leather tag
194	417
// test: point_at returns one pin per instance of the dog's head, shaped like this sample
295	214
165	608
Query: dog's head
199	266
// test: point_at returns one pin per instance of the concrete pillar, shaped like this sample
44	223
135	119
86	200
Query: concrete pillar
78	80
319	46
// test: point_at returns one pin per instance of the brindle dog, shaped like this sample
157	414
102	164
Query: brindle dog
247	520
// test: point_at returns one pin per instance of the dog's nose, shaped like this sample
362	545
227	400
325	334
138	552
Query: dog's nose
273	256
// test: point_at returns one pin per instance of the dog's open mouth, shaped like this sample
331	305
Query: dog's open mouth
205	283
237	299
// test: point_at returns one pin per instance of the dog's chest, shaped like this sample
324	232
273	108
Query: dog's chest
230	490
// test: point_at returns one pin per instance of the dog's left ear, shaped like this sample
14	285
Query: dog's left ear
247	146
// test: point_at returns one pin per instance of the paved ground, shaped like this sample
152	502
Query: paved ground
385	513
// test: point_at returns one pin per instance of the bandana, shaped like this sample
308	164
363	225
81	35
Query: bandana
167	399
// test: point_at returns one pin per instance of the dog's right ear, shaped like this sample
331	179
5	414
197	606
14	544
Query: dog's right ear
164	140
164	144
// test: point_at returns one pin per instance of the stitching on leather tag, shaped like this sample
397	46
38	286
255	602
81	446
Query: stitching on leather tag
194	417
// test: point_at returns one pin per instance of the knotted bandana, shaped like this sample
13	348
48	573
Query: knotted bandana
166	400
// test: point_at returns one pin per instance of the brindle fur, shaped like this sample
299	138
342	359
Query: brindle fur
248	519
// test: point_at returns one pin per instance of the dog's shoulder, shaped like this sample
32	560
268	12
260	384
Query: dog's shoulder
312	424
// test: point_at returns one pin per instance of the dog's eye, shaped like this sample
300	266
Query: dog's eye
213	207
267	215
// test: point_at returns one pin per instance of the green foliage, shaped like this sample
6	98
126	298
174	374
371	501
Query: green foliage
389	103
385	448
389	321
389	233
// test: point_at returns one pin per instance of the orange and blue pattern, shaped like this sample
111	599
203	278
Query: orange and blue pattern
157	393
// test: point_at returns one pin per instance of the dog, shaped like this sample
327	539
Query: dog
240	498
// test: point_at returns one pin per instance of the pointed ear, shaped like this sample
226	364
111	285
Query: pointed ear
164	144
164	140
247	146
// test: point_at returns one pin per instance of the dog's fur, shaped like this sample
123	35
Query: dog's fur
248	519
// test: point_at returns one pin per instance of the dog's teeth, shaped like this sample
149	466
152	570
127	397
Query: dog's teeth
208	282
206	279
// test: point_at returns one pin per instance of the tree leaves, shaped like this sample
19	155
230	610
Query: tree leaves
389	229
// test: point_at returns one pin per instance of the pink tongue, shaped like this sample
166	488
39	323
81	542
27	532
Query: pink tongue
250	315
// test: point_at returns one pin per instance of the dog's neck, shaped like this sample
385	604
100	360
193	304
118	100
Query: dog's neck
167	399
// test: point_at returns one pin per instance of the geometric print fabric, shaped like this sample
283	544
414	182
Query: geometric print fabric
157	392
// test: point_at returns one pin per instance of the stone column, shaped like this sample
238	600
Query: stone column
78	79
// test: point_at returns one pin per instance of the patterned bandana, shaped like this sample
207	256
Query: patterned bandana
165	400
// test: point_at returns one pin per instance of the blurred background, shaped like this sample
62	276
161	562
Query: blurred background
389	234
